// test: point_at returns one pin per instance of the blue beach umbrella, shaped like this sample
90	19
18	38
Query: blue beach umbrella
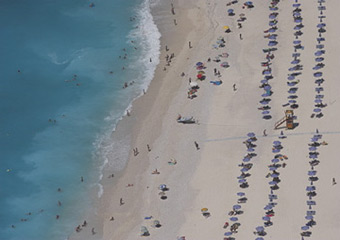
266	218
296	41
317	110
272	183
267	117
275	160
298	20
267	87
310	188
244	170
314	139
311	173
272	168
319	59
251	134
241	194
199	64
310	203
265	112
319	96
277	143
230	10
296	5
292	101
266	94
234	219
319	53
242	180
297	27
291	84
312	148
259	238
259	229
321	39
275	174
272	23
272	30
268	207
246	159
321	25
228	233
236	207
296	61
250	149
309	217
272	37
264	81
317	74
318	101
292	91
272	43
320	46
304	228
291	77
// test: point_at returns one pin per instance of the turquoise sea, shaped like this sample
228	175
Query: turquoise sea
63	65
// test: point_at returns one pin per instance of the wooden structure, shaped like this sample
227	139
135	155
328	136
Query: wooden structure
288	119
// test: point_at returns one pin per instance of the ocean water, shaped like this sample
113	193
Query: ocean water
61	68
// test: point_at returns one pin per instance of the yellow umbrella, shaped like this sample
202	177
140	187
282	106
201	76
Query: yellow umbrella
226	27
204	209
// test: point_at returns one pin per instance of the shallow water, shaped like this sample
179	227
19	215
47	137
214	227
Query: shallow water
58	112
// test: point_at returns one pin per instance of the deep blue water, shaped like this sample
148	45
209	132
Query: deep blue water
61	95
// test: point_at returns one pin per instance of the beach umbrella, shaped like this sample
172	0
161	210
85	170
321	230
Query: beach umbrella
292	101
297	27
272	43
311	213
272	37
246	159
266	218
204	210
162	187
199	64
272	168
244	170
317	74
317	67
272	30
309	217
267	117
259	229
317	110
250	149
311	173
275	160
318	100
233	219
304	228
267	71
236	207
242	180
274	175
228	233
241	194
296	5
264	81
310	203
291	77
321	39
251	134
297	20
277	143
312	148
267	87
296	61
259	238
265	112
272	23
320	46
226	27
319	96
268	207
199	76
319	53
296	41
272	183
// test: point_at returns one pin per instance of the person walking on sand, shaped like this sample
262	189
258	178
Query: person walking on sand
234	87
121	202
333	181
241	37
197	146
190	45
265	132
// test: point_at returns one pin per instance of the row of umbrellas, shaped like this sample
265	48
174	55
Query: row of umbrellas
296	67
242	180
274	174
319	58
311	188
267	71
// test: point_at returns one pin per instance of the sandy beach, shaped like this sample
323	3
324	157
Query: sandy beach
229	152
